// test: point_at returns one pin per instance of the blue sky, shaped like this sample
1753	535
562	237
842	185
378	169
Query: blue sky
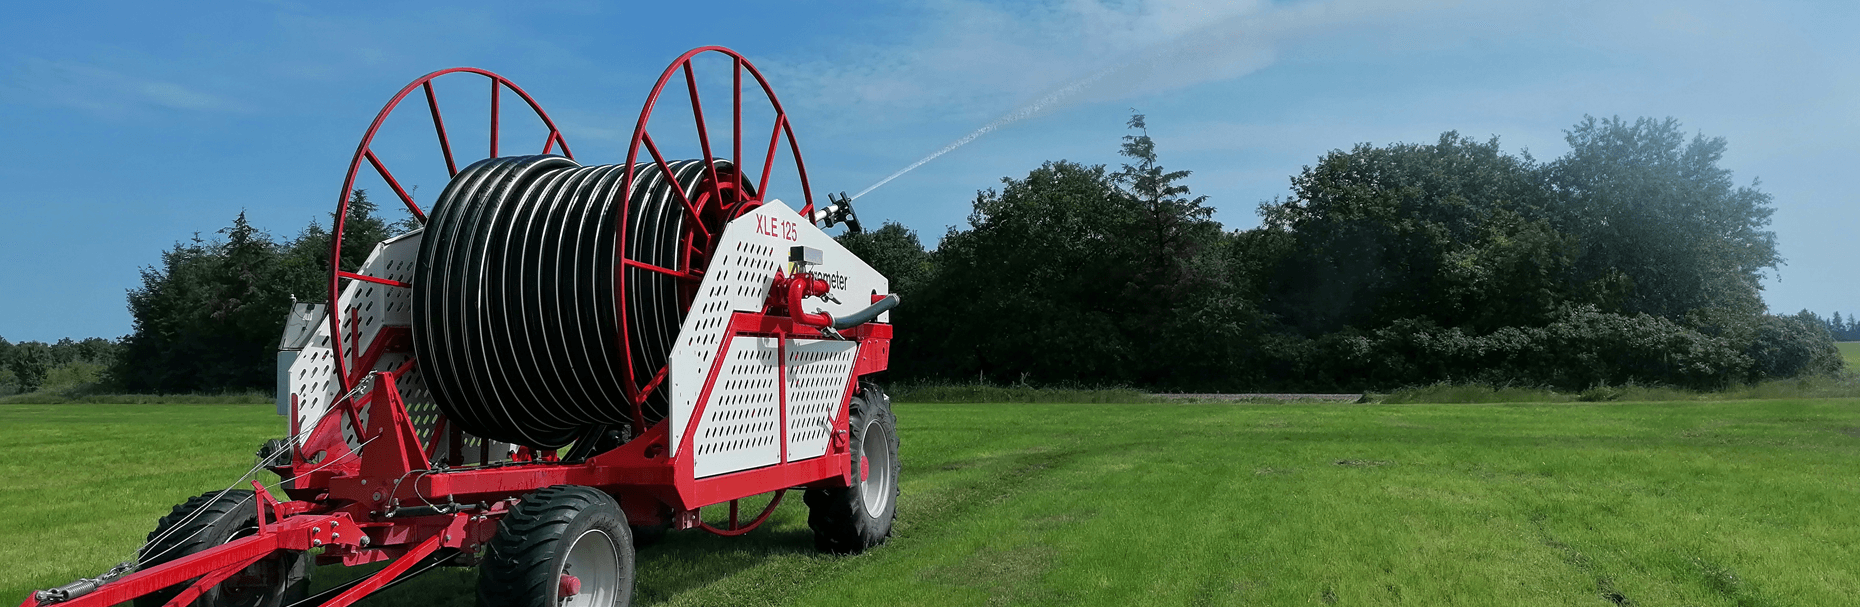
129	126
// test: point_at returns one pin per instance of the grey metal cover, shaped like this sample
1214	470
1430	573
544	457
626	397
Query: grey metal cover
300	325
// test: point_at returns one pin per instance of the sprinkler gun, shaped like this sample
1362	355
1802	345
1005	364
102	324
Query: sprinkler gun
839	211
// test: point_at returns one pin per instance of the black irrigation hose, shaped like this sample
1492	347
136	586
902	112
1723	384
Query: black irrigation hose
514	308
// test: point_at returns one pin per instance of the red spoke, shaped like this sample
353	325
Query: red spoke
566	153
800	168
736	113
404	198
374	279
697	111
494	87
401	371
657	378
733	524
687	252
658	268
762	187
549	144
676	187
439	126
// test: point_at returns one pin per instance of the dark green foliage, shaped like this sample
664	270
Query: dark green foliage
1842	329
895	252
1030	284
208	318
1579	347
1660	227
8	381
31	366
1787	346
1076	275
1454	232
1631	260
29	362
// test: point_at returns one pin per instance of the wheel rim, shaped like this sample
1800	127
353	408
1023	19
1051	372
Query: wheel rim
875	488
596	562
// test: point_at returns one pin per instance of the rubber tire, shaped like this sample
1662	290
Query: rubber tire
521	561
838	515
219	521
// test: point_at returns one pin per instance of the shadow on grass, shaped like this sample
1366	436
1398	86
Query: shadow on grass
683	561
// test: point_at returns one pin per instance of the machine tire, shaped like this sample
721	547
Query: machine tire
542	536
211	519
849	520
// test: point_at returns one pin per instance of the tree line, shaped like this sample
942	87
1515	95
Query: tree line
1847	329
1633	258
209	315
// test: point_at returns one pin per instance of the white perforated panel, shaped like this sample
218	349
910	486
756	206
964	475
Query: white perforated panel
741	428
752	249
819	372
366	307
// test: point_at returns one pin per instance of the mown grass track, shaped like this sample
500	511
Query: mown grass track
1679	503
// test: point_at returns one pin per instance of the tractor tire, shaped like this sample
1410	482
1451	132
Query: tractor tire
849	520
203	522
559	530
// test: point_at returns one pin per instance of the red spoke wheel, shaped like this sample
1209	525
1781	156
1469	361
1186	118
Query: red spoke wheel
724	192
345	345
552	293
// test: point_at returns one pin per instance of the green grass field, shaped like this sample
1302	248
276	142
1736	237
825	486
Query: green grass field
1677	503
1850	352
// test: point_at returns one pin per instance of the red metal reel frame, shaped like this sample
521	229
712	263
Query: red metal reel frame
727	196
365	153
395	463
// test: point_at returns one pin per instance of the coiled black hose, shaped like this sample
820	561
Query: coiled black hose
515	313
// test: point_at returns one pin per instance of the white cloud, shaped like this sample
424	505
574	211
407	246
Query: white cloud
976	58
105	91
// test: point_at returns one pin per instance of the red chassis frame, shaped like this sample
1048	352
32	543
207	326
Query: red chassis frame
353	507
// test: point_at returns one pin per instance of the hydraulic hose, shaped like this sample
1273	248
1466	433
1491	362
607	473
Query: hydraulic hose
867	315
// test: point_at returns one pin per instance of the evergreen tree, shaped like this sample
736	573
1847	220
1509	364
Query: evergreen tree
208	318
1174	227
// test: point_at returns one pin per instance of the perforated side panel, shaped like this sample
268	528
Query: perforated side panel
742	276
752	249
741	428
738	278
366	307
819	372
